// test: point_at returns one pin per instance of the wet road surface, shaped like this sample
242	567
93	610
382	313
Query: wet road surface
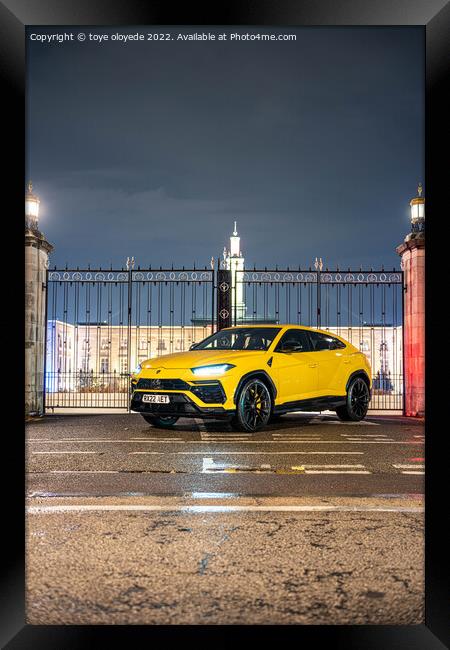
310	521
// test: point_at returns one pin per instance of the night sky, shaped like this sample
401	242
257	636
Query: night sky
153	149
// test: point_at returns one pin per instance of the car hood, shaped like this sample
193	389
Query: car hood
194	358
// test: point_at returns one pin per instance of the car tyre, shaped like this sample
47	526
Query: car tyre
357	401
163	421
253	406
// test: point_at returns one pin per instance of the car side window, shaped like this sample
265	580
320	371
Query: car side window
322	342
294	340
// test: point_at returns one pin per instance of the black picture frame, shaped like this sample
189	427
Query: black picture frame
15	15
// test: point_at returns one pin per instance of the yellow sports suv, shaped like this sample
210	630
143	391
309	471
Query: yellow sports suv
252	374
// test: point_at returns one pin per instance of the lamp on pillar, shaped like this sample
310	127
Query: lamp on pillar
31	208
412	253
418	211
37	250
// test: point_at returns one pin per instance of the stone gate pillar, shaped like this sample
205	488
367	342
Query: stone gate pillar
412	252
37	250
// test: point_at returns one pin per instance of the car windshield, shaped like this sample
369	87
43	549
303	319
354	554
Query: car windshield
251	338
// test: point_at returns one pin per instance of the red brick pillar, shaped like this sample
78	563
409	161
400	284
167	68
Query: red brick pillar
412	252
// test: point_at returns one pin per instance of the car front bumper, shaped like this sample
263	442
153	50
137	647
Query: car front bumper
180	405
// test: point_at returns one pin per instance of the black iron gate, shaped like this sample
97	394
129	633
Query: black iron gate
103	323
365	307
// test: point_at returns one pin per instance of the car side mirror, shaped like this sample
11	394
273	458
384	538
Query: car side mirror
192	346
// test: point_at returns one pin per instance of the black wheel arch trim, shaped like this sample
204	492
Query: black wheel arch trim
358	373
256	374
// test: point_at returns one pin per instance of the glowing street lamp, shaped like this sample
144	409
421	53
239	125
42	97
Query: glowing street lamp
31	208
418	211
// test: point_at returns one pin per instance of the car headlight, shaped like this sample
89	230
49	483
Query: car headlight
203	371
137	370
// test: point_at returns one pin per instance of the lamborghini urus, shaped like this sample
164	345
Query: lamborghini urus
250	375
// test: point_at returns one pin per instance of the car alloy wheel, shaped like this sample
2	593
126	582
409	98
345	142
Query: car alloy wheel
359	398
357	402
254	405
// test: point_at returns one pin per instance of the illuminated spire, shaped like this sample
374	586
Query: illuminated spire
234	262
235	243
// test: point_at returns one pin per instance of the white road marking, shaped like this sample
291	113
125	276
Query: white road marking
82	471
157	439
415	466
366	435
265	453
332	466
297	435
246	442
56	509
376	440
422	436
316	442
376	436
149	453
247	453
208	434
345	424
308	471
408	472
60	453
210	463
224	439
96	440
310	436
210	466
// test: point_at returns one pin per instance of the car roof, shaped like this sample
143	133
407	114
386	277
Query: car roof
278	325
283	326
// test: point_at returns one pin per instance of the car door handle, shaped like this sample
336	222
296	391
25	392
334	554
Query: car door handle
313	365
346	360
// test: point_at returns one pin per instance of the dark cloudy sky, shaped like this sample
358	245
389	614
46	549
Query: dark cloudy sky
153	149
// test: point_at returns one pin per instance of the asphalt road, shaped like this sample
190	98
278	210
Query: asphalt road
311	521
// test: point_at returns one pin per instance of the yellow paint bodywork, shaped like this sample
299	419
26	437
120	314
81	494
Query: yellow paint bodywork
296	375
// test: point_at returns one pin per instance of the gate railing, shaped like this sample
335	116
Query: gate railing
364	307
103	323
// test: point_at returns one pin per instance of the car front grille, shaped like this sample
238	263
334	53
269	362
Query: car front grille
210	392
161	384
